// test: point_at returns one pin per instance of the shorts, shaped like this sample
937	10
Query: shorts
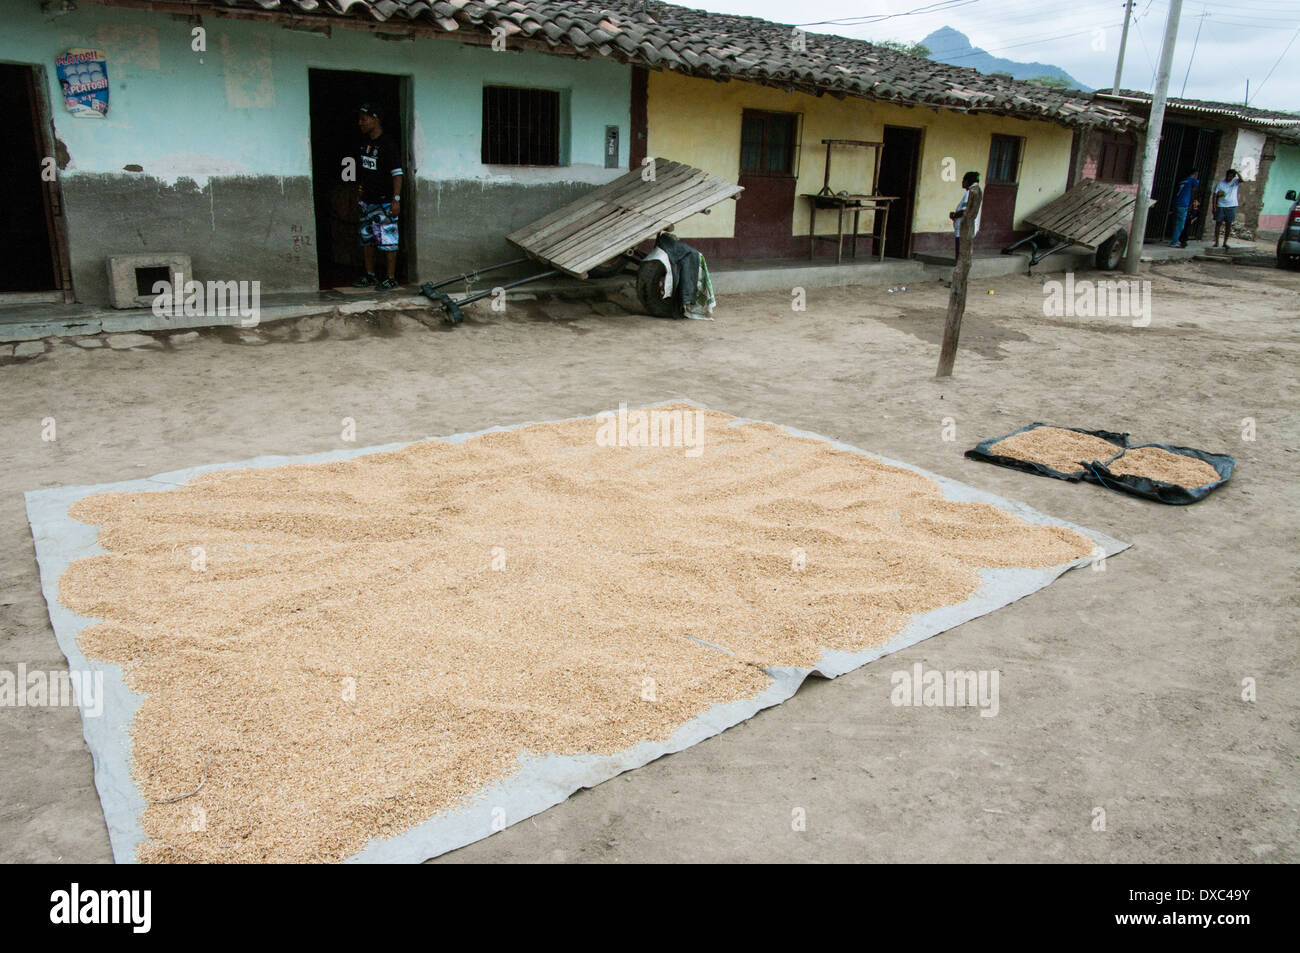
377	227
1226	213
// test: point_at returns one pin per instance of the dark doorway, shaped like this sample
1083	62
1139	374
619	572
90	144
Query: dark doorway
335	96
1001	184
1182	148
899	172
30	233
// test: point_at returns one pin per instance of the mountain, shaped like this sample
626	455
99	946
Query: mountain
953	47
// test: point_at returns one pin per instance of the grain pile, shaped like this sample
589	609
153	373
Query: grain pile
365	643
1056	447
1157	464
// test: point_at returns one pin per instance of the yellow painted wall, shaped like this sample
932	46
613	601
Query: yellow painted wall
697	121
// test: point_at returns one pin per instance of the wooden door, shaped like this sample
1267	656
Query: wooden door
1001	183
765	210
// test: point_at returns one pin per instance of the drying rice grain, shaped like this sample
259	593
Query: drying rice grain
1157	464
369	642
1056	447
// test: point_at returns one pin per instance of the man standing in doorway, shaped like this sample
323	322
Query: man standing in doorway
1225	205
379	194
1182	199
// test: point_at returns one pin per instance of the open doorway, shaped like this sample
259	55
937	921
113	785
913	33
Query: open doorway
334	97
32	230
1182	148
900	170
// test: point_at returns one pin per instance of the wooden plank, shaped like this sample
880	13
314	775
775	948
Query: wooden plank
544	228
560	227
623	241
649	209
666	170
1054	212
614	244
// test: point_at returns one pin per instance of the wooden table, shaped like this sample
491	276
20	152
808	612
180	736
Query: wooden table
842	204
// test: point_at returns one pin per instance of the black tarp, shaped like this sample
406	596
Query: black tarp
1170	493
981	452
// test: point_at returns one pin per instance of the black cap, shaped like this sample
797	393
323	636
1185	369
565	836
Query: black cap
369	110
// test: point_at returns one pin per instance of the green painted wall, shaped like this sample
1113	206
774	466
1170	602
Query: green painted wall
1283	175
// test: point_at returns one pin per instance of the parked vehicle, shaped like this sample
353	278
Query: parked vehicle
1288	246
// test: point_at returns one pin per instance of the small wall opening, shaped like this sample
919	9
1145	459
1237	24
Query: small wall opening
145	278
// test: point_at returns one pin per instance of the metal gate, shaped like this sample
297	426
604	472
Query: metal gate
1181	147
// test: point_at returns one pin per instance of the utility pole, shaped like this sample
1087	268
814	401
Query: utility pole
1155	123
960	279
1123	43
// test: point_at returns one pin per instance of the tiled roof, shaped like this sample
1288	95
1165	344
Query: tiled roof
714	45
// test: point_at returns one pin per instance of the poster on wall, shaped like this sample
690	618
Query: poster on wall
83	77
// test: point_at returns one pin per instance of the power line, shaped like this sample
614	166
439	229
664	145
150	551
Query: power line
1279	60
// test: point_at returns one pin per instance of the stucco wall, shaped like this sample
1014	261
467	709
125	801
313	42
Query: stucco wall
222	141
1283	176
698	121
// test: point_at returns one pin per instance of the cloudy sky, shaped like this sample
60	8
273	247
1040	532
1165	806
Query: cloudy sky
1239	39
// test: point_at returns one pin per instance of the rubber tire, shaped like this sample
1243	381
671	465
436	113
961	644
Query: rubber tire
650	290
1110	253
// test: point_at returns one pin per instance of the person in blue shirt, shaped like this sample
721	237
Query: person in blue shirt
1183	198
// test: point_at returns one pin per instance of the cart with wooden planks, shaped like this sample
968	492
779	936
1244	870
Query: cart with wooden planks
597	234
1092	214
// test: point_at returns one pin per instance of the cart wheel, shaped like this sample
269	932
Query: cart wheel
650	290
1111	252
609	269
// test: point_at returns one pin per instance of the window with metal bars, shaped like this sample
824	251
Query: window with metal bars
521	126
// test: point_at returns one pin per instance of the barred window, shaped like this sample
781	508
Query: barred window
521	126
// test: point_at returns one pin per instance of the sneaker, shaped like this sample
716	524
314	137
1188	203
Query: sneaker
388	284
365	281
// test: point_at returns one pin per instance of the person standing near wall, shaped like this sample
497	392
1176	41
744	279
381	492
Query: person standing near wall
1182	199
379	195
967	180
1225	205
1193	217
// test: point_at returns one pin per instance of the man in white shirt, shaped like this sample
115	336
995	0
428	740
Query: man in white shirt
967	180
1225	205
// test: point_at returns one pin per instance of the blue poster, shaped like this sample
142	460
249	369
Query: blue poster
83	77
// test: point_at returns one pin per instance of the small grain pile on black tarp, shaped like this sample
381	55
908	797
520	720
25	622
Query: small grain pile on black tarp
982	451
1098	471
1156	490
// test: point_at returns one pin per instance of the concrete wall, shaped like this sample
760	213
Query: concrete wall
1283	176
208	153
698	121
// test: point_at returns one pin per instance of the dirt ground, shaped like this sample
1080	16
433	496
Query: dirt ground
1120	690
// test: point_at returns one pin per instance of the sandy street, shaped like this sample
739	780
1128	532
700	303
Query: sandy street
1120	690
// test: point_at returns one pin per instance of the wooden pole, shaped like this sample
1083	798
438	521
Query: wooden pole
960	272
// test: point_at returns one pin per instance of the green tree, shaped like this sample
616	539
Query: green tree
1055	82
907	49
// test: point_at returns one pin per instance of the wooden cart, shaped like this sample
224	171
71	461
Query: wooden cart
1093	214
596	234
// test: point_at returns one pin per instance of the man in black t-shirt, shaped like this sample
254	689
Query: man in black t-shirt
379	193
